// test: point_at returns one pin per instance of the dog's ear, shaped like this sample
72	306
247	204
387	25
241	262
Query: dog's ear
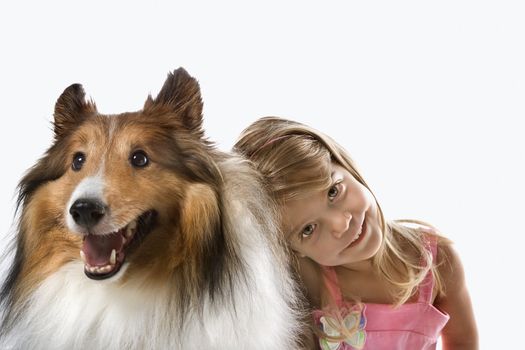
181	95
71	109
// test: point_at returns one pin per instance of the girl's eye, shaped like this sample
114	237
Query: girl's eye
308	230
78	160
139	159
333	191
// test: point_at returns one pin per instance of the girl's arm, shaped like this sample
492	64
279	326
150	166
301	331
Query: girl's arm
460	331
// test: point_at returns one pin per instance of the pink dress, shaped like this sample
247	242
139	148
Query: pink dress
411	326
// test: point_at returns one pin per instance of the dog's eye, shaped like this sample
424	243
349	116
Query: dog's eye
139	159
78	160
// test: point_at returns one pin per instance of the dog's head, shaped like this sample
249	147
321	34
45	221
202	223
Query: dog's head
139	190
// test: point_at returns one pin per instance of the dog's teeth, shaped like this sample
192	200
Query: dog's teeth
129	231
83	256
113	258
99	269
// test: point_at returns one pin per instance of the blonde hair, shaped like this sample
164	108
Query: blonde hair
284	150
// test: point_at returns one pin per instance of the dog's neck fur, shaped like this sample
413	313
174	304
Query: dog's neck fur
70	311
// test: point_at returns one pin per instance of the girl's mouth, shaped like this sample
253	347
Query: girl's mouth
359	237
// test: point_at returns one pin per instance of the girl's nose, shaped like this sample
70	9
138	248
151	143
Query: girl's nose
340	223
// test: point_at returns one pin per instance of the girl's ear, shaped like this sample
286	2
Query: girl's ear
180	96
71	109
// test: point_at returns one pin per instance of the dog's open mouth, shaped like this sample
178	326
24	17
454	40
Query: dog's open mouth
104	255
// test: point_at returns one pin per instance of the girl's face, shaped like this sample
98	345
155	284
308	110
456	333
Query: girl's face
339	226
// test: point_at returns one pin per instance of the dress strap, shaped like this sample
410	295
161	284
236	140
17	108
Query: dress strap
332	283
427	286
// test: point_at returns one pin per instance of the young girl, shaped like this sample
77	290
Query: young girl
373	284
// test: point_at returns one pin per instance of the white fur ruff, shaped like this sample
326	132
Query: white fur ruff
70	311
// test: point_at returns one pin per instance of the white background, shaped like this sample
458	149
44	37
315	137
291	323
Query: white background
427	98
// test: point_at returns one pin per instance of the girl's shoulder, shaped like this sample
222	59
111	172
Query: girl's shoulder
445	256
449	263
428	233
444	250
448	267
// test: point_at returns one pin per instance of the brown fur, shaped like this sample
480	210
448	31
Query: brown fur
182	168
211	244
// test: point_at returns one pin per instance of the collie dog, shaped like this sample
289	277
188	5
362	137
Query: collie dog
135	232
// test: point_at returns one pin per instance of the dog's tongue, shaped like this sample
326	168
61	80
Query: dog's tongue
97	248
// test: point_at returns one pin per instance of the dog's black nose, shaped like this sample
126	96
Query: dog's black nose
87	212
